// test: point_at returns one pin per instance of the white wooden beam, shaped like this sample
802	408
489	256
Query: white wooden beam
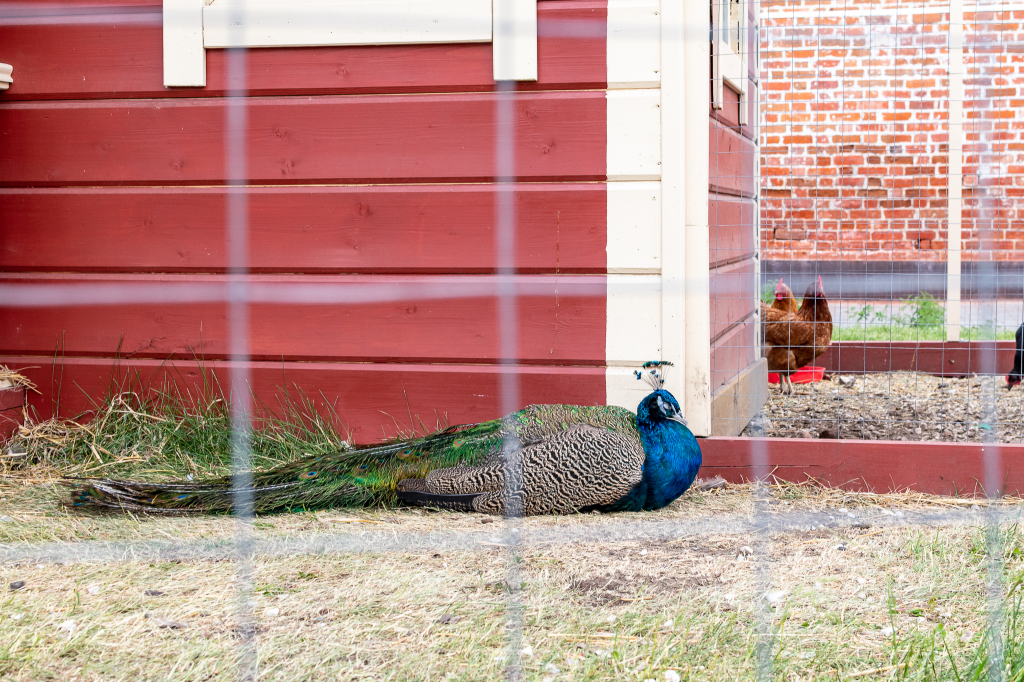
252	23
633	52
184	56
634	135
634	227
673	199
696	249
633	335
954	174
515	40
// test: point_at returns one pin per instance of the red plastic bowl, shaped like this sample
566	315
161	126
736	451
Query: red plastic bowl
804	375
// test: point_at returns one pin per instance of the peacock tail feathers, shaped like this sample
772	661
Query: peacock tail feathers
360	477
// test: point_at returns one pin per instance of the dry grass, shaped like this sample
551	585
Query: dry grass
9	378
618	609
601	597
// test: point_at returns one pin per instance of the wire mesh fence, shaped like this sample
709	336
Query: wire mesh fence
816	168
888	168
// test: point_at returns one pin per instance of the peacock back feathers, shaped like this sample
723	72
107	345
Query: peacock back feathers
359	477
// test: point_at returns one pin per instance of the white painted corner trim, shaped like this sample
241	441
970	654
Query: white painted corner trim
5	76
193	26
657	202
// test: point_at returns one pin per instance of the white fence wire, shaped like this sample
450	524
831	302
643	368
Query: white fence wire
241	289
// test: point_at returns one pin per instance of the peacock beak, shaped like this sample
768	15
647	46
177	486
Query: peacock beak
677	417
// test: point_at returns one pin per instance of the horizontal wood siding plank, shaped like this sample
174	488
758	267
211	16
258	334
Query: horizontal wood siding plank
368	399
409	319
733	295
12	397
732	353
731	221
43	9
732	162
120	56
423	228
331	139
873	466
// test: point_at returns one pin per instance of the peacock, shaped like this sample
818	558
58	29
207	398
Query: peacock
543	459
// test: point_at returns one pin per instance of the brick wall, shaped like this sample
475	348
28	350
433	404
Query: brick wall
854	130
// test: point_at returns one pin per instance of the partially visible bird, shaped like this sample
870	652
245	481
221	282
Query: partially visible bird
794	340
784	300
783	306
1016	375
541	459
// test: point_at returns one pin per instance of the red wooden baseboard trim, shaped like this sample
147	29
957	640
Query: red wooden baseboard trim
948	359
874	466
369	400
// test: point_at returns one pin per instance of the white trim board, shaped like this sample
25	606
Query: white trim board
634	228
191	27
633	54
234	23
634	135
657	202
633	335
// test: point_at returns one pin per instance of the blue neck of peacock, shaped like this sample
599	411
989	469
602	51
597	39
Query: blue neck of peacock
673	459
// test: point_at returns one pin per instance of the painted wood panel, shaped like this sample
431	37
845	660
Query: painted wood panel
873	466
12	402
231	23
11	398
729	114
732	353
42	9
331	139
120	56
560	228
731	221
368	399
634	51
732	162
733	295
358	317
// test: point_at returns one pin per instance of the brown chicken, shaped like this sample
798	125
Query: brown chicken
793	340
784	300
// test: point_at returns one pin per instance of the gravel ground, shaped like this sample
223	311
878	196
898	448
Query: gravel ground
897	406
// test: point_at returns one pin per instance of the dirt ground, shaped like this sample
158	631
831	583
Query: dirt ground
897	406
844	585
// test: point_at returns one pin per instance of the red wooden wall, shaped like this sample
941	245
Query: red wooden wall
732	213
371	170
369	165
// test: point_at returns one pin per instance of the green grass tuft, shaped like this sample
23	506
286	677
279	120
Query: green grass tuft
165	434
923	319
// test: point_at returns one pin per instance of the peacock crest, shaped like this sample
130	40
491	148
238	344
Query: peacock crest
654	372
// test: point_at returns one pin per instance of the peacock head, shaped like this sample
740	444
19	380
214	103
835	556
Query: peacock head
659	405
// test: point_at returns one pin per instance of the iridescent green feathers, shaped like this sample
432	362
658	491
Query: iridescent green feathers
363	476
